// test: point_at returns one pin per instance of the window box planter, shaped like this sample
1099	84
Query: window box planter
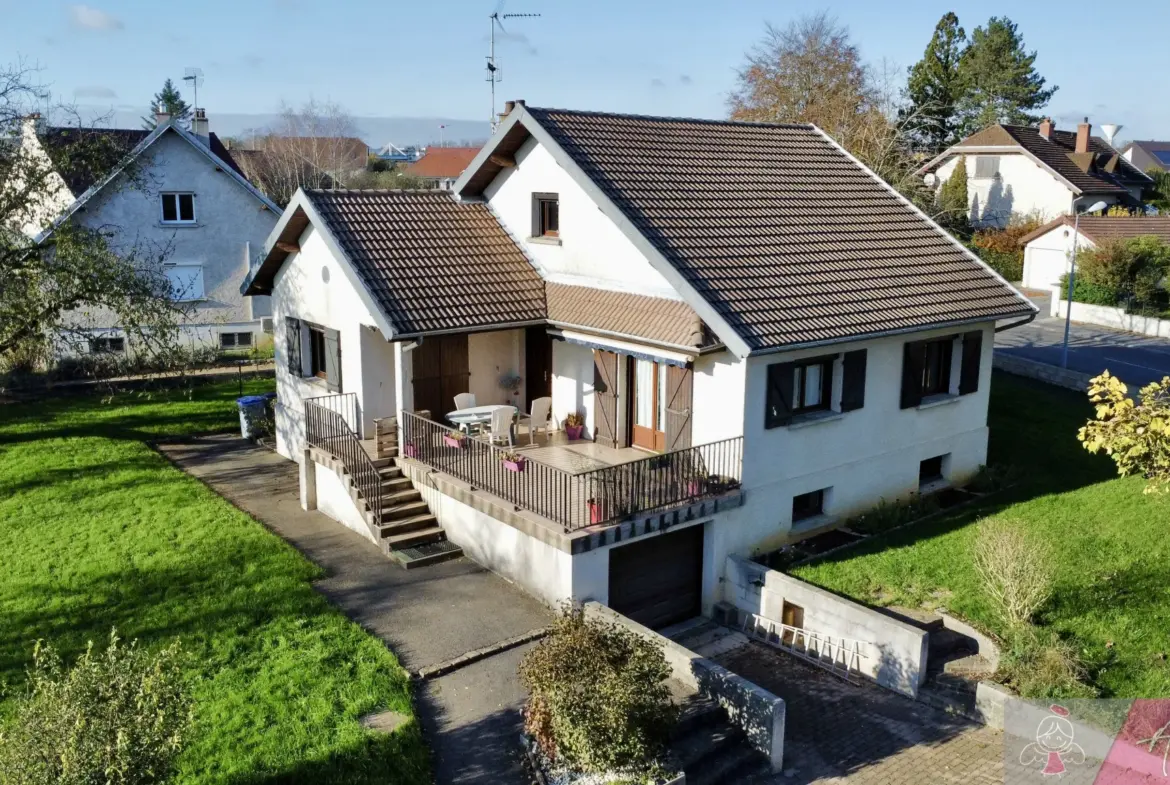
515	465
454	441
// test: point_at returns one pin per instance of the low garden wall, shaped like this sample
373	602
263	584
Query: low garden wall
759	713
893	651
1109	316
1043	372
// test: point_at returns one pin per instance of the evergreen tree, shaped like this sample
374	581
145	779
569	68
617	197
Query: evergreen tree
1000	83
934	88
953	203
171	100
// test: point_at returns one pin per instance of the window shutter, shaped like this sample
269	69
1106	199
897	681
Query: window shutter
679	392
292	329
972	354
912	360
333	360
778	411
853	380
535	216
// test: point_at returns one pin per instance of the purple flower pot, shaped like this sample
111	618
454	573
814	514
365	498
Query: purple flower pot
574	432
516	465
451	441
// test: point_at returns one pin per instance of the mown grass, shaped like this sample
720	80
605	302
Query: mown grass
98	530
1111	544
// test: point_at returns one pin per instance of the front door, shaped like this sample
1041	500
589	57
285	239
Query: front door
537	364
648	396
440	372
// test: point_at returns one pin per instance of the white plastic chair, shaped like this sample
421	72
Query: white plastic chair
538	417
501	428
465	401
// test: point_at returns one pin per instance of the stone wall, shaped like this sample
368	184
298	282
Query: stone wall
1050	374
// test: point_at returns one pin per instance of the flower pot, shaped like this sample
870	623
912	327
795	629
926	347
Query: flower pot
451	441
574	432
694	487
410	450
594	512
516	465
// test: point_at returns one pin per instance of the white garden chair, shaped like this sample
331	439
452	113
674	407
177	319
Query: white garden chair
538	417
465	401
501	426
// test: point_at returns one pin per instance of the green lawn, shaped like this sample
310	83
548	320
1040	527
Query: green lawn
1112	545
97	529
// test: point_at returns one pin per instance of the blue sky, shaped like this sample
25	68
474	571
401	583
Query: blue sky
384	58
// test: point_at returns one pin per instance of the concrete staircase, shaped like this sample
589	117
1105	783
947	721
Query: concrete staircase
954	666
408	531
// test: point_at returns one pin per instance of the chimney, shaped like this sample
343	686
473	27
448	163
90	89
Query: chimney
1083	130
161	115
508	107
199	125
1046	127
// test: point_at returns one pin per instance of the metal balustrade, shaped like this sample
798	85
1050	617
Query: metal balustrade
331	424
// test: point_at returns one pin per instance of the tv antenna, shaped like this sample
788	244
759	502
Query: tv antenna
493	69
195	77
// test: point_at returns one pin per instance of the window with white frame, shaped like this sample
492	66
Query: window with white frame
235	340
186	282
178	208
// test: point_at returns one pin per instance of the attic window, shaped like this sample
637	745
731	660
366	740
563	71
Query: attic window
986	167
178	208
546	215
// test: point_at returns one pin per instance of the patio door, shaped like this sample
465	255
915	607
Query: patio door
440	372
648	402
537	364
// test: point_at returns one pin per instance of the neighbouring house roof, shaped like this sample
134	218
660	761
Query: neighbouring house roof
1149	153
442	162
430	263
623	313
340	153
1103	172
771	231
1101	229
83	156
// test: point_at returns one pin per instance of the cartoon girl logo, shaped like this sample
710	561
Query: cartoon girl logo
1054	745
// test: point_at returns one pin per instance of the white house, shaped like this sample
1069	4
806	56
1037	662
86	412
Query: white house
1048	249
762	336
1016	171
185	202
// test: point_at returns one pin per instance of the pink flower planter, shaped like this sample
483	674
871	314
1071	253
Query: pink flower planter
516	465
451	441
410	451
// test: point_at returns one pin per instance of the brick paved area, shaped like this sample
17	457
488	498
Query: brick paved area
838	733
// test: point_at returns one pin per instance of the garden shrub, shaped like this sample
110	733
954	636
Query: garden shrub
1001	249
889	515
1133	269
1015	569
1038	664
117	717
1089	293
1134	433
598	700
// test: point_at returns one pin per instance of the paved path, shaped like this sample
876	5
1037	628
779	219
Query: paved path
842	734
1136	359
425	616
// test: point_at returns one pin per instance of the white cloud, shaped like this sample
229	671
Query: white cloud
94	91
89	18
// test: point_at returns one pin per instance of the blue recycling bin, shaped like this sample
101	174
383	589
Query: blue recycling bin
252	412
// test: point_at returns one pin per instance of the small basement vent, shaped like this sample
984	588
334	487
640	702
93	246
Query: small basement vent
266	325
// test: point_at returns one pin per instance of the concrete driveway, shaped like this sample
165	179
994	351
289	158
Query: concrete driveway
1135	359
426	616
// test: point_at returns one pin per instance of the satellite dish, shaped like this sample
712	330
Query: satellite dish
930	180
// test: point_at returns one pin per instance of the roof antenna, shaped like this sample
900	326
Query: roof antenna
493	70
195	77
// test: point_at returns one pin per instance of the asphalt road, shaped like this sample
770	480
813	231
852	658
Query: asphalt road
1135	359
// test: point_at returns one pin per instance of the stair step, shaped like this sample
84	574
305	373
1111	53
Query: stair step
396	484
920	618
428	553
696	712
382	462
408	510
388	472
397	498
419	537
735	764
705	742
405	525
971	664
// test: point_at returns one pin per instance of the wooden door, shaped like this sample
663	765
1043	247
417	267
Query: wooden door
605	397
648	404
658	581
537	364
793	616
440	372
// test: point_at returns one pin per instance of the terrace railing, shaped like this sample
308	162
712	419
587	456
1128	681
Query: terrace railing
576	500
330	423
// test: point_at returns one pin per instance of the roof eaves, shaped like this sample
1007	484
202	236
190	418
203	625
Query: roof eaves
227	168
488	150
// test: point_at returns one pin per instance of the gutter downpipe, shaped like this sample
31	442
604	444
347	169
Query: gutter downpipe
1020	323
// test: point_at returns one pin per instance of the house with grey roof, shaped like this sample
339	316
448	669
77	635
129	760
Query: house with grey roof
742	335
1016	171
1148	154
171	194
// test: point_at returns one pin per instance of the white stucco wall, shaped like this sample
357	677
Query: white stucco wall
312	286
717	410
1046	258
572	383
490	355
36	165
333	499
230	222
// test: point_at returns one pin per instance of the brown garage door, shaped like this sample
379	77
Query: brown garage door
658	581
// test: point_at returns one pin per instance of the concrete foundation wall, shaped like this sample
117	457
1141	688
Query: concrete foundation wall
1108	316
893	652
334	500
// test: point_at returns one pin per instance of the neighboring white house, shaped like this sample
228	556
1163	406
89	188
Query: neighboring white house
187	204
1048	249
1017	171
762	336
1148	154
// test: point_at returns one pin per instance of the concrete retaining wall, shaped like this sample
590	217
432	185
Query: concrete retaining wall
1109	316
1051	374
759	713
893	652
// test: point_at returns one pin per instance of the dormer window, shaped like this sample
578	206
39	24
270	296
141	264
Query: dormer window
178	208
546	216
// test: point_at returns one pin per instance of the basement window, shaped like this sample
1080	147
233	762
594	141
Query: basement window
932	471
235	340
808	505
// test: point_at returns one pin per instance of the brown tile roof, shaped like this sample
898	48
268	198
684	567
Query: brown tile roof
1101	229
83	156
789	240
442	162
433	263
221	152
652	318
1058	153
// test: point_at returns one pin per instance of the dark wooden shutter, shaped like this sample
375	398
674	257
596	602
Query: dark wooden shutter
605	397
853	380
333	360
913	356
972	354
679	393
292	329
778	409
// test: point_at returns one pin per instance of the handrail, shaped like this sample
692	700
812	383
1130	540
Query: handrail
330	423
576	499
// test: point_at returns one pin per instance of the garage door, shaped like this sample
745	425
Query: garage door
658	581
